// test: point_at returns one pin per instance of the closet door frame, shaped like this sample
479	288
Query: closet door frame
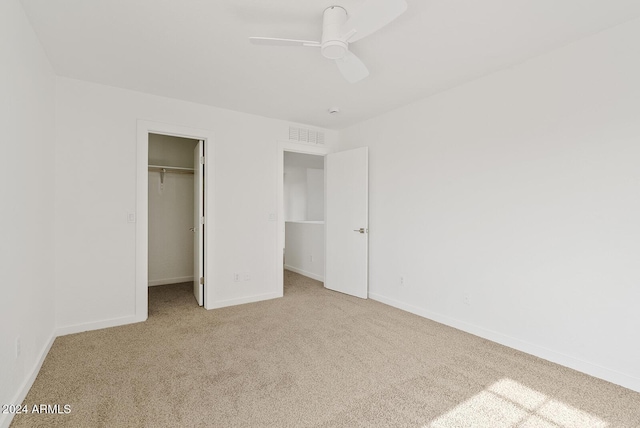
144	128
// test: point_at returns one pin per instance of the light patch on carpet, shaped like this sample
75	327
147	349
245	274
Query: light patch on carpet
509	404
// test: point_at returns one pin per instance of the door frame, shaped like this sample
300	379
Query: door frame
144	128
288	146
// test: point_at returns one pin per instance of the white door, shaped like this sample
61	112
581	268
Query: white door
347	222
198	220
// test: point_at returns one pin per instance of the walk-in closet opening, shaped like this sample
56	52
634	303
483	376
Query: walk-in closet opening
303	199
175	213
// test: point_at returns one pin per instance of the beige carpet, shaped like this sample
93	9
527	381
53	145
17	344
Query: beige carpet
312	358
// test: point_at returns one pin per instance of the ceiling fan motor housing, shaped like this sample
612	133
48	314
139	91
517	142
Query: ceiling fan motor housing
333	47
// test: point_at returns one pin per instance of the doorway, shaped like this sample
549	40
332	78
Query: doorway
151	160
304	214
288	148
174	197
345	222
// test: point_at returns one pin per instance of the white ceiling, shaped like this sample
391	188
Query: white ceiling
197	50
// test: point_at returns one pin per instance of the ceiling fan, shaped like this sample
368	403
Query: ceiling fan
339	29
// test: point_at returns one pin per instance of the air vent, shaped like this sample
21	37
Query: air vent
304	135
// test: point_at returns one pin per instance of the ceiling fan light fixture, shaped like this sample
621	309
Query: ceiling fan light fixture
334	49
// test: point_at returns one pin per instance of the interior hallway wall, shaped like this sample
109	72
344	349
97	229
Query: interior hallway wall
510	205
304	249
27	175
315	194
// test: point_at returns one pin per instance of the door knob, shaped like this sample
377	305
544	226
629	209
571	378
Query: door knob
361	230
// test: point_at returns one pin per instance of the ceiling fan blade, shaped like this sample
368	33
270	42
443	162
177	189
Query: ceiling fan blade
281	42
373	15
352	68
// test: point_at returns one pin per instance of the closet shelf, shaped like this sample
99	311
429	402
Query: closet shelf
166	168
162	169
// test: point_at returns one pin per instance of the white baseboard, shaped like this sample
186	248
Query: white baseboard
591	369
114	322
243	300
5	419
166	281
305	273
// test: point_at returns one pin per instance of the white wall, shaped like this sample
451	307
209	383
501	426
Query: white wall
95	244
304	249
170	250
520	191
315	194
303	193
170	217
295	193
303	187
171	150
27	121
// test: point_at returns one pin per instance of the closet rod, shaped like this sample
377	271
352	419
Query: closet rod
174	169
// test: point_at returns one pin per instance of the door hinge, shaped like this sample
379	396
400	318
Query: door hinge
201	160
202	280
202	220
